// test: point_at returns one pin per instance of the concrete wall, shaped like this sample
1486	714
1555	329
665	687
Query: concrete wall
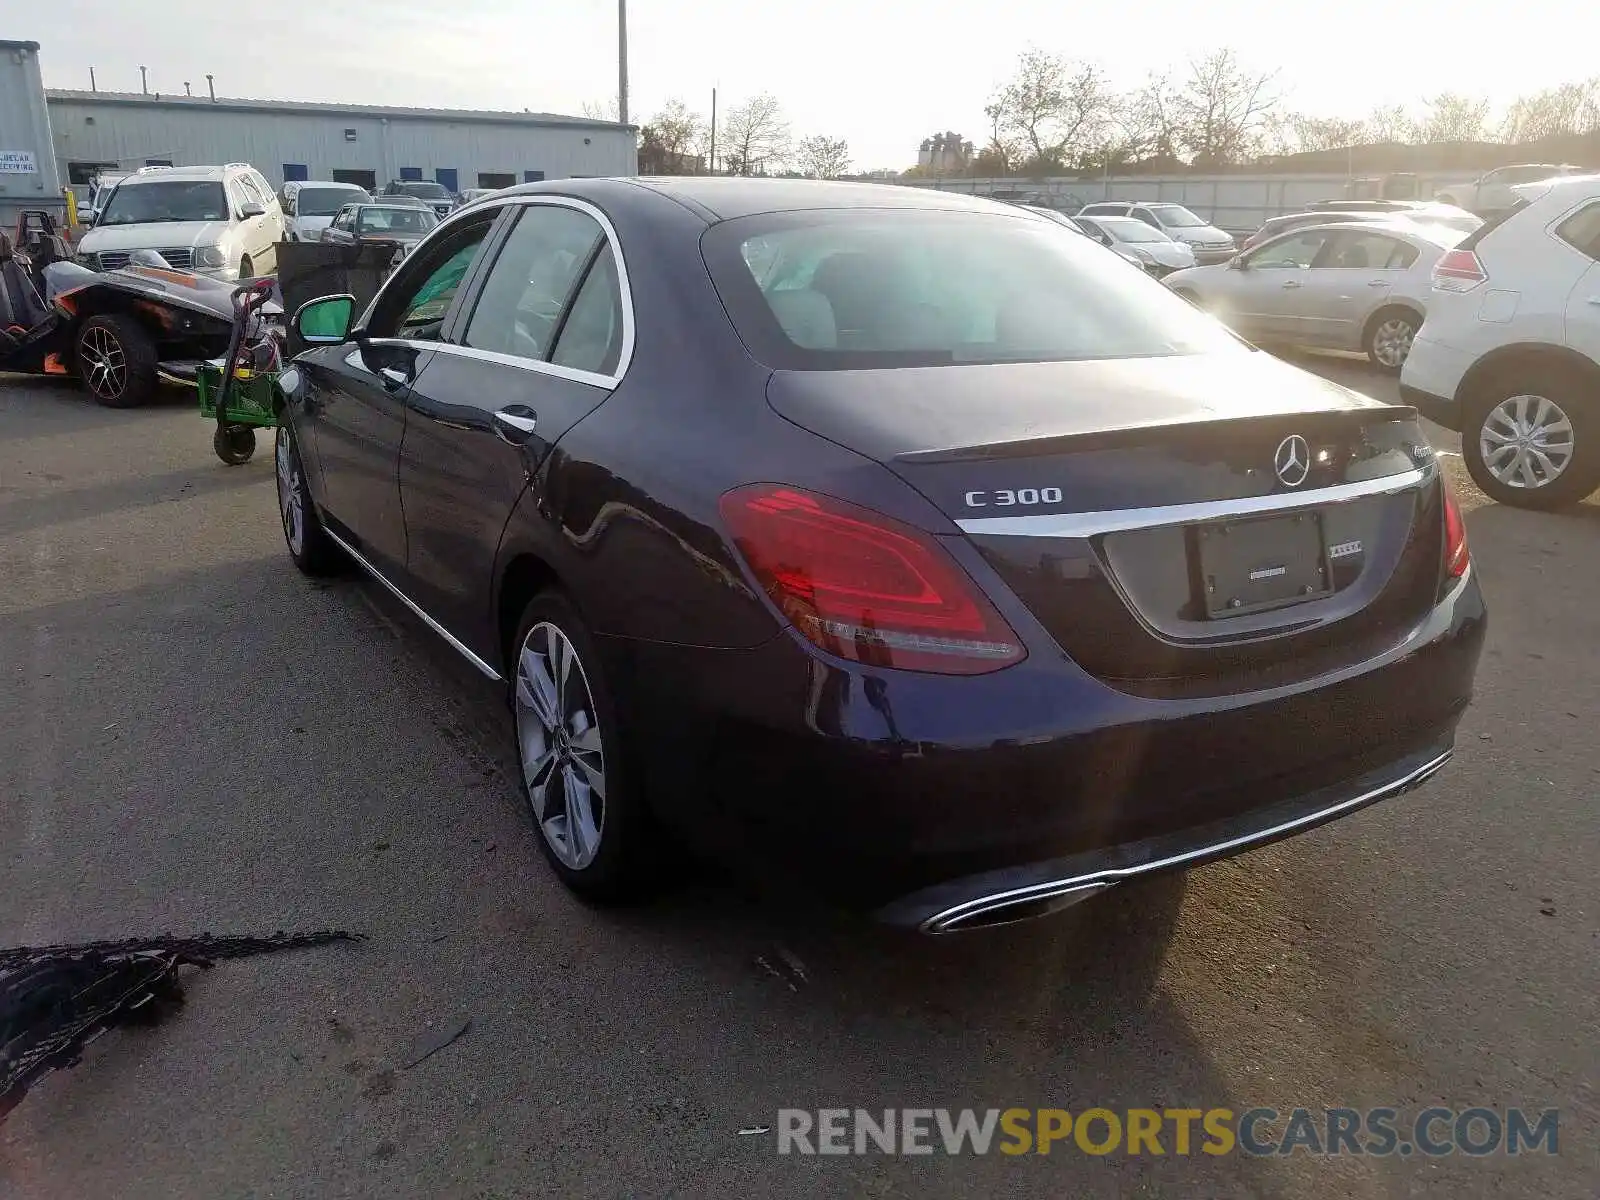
130	131
1236	203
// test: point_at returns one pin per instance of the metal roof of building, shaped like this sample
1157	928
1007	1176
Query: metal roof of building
237	104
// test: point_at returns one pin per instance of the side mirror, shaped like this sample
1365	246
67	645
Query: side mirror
252	210
85	214
1237	263
326	320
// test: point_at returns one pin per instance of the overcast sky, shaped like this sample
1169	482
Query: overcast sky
881	73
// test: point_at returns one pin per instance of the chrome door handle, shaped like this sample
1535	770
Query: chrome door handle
1594	299
1291	283
394	377
1377	283
515	424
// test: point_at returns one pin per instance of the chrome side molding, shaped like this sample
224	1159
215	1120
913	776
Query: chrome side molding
1117	520
455	643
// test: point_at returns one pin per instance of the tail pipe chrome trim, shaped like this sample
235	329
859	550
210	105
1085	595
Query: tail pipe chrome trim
1042	899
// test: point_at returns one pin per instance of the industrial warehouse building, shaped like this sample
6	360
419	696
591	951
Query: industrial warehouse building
354	143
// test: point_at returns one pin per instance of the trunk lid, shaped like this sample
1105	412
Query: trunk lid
1194	523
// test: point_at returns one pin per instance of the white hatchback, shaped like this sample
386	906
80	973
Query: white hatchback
1510	352
223	222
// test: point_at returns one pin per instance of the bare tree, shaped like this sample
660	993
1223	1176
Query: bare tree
1221	111
600	110
820	157
1571	108
1453	117
1056	108
1301	133
678	129
1388	123
756	135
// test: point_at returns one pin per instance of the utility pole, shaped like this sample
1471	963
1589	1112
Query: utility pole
622	61
713	163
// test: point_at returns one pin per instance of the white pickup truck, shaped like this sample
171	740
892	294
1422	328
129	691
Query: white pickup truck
1490	194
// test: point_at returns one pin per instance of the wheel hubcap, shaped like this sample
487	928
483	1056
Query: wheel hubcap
103	363
1526	441
291	503
1392	342
558	734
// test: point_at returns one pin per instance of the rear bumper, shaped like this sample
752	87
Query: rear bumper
909	795
1441	410
1019	893
1430	381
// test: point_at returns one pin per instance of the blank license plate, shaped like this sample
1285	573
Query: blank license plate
1248	566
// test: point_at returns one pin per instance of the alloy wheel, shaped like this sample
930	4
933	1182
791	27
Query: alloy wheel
1526	441
1391	341
291	497
103	362
558	734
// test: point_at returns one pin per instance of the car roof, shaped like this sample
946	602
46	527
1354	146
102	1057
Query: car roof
187	174
718	198
1394	224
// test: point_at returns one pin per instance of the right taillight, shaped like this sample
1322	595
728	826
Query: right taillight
1459	271
865	587
1456	555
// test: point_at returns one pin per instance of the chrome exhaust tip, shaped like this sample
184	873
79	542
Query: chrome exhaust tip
1012	908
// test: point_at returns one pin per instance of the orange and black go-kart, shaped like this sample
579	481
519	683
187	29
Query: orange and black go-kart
119	332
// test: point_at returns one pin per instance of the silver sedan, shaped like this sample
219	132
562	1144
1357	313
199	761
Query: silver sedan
1353	286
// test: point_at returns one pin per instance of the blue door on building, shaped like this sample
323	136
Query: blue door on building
532	176
411	173
295	172
446	176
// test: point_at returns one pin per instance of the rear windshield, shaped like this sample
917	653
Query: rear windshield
858	288
395	220
325	202
424	189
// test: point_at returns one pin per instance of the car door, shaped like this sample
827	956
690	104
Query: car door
256	232
1353	275
539	347
341	229
1262	292
355	409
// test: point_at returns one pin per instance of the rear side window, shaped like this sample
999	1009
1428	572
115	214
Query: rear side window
855	288
1581	231
532	281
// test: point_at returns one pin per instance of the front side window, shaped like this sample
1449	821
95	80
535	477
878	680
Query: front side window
1292	250
859	288
533	279
418	304
168	200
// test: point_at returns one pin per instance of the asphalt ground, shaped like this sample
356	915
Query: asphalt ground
193	737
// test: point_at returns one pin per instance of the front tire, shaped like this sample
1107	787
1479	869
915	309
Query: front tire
116	361
1532	439
1389	337
312	550
590	823
235	445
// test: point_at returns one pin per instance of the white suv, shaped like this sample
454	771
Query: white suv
1510	351
218	221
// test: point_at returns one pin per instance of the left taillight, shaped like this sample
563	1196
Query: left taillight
864	586
1456	555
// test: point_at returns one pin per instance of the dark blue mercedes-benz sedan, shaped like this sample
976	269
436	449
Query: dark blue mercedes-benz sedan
901	542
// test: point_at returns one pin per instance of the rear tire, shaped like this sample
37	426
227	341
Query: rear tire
1532	436
1390	333
590	820
235	445
116	360
313	551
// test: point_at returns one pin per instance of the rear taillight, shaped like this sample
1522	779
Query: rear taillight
865	587
1456	555
1459	271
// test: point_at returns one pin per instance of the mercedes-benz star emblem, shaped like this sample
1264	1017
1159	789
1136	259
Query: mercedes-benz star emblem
1292	460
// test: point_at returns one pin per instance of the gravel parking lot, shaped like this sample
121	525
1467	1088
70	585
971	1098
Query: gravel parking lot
194	737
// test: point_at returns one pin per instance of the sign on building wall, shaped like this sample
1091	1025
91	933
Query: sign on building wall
17	162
